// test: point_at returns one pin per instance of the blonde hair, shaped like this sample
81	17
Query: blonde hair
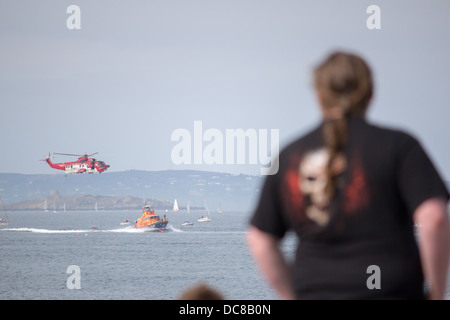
343	83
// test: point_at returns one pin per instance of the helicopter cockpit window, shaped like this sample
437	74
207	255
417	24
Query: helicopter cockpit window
83	160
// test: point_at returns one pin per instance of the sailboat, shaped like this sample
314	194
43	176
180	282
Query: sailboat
45	206
4	222
175	206
188	208
219	209
54	208
208	216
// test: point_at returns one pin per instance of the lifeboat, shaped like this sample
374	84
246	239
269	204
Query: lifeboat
151	221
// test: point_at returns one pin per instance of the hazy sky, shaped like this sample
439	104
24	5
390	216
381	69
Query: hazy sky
138	70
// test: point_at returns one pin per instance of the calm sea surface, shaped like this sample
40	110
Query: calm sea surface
120	262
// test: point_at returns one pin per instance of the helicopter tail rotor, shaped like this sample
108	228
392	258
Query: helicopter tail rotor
46	158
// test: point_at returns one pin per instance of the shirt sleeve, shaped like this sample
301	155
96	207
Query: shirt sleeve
418	178
268	214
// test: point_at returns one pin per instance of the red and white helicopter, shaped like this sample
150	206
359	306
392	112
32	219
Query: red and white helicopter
82	165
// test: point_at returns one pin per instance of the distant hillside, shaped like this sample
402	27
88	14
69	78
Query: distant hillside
234	192
54	201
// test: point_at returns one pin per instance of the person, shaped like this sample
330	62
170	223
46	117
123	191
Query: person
352	191
201	291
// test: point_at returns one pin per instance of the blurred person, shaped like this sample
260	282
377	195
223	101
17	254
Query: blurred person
352	191
201	292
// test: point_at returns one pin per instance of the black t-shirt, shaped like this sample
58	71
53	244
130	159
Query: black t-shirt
368	222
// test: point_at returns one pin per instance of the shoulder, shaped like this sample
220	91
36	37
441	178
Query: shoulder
290	155
310	140
392	136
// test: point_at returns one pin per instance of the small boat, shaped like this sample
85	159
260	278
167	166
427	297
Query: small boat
125	222
206	218
4	222
151	221
187	223
94	227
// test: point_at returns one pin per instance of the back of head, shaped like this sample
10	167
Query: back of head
201	292
344	87
344	82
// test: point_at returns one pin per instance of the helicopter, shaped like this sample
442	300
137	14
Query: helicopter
82	165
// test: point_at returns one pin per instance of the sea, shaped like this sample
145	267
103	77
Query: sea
114	261
89	255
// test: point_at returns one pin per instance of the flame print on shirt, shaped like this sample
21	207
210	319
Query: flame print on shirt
292	195
356	192
305	182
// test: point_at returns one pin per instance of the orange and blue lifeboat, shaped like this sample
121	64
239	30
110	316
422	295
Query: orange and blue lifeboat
151	221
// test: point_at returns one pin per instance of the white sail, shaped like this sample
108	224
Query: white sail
208	216
45	206
175	206
4	222
188	208
219	209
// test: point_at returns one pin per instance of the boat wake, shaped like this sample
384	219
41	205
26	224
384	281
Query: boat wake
37	230
172	228
128	229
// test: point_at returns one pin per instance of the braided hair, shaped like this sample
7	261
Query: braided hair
344	86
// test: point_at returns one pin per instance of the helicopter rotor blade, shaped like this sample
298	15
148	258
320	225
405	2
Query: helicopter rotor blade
68	154
75	155
90	155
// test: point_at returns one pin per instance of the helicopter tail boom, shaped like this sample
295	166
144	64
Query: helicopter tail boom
51	164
